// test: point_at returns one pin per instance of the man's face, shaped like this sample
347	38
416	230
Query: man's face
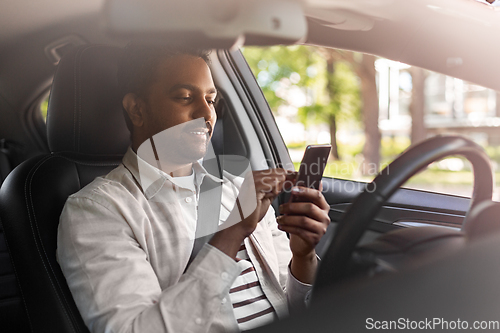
182	92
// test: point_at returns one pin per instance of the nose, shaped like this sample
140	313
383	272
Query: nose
205	110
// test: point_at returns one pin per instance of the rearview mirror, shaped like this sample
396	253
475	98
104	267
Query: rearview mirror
213	23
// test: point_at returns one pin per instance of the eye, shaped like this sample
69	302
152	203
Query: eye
184	98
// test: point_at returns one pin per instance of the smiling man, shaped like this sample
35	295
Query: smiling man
125	241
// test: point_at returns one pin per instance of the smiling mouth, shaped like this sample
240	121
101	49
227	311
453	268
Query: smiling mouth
200	131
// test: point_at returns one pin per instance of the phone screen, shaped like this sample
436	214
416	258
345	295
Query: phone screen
312	166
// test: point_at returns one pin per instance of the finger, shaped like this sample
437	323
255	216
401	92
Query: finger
271	172
291	179
309	237
270	181
302	222
308	209
289	174
288	184
301	193
270	186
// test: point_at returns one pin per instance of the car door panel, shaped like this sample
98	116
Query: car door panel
406	205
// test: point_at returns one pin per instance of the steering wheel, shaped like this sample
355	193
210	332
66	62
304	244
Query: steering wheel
341	244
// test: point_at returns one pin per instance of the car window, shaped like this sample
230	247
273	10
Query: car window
43	107
371	109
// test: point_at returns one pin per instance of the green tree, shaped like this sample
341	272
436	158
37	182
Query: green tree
417	105
273	64
331	87
342	100
365	68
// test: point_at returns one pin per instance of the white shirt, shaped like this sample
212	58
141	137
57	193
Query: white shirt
123	252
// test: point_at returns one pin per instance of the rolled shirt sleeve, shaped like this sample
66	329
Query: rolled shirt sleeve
297	292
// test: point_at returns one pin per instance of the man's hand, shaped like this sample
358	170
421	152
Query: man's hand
306	220
270	183
267	184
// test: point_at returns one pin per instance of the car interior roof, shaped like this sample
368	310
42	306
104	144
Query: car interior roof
394	30
398	33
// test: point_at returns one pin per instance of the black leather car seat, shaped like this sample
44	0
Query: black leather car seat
87	137
5	167
12	314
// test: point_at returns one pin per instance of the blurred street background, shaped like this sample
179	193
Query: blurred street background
371	109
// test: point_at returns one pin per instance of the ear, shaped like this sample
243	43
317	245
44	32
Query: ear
134	106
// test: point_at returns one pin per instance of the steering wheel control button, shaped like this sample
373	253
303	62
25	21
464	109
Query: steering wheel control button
188	199
198	321
224	276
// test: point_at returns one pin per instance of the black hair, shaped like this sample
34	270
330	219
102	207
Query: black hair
138	64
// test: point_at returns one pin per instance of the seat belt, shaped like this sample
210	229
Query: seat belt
208	205
208	215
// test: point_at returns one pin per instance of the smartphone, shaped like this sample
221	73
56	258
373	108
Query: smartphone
312	166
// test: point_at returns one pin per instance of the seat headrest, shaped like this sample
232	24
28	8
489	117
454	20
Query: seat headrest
85	114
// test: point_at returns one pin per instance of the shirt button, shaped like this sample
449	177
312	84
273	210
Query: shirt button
224	276
198	321
223	301
188	199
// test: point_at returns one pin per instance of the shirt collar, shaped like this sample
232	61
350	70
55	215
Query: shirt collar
151	179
